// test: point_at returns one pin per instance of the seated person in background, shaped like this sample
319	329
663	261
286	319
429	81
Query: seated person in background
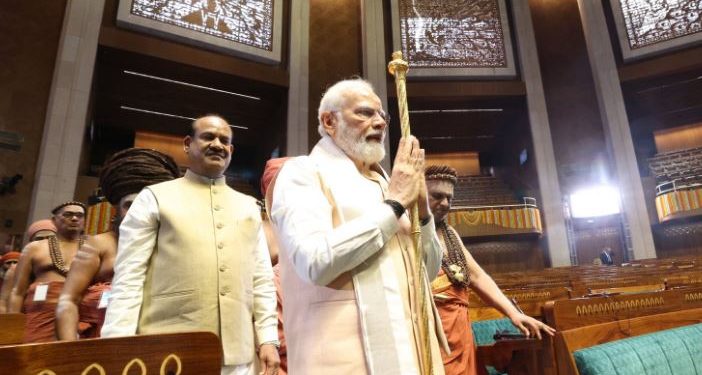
267	183
83	301
39	230
606	256
42	270
459	271
8	263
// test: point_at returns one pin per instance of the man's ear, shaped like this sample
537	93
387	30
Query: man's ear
329	123
186	143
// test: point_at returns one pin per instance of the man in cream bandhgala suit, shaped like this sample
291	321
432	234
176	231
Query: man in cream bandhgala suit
192	256
345	249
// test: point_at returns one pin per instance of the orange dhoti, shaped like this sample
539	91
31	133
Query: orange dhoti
452	303
283	349
92	315
41	315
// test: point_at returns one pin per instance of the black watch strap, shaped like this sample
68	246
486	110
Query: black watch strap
396	206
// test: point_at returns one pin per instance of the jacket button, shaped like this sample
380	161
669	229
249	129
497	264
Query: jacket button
223	293
222	268
220	246
219	225
217	208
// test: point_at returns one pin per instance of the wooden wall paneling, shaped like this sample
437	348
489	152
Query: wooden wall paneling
679	138
507	255
29	37
465	163
335	50
128	40
569	88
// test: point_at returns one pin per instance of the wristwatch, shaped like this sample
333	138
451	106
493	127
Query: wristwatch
396	206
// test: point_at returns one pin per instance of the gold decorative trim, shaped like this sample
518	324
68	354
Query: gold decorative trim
139	362
125	371
615	306
529	295
96	366
693	297
168	359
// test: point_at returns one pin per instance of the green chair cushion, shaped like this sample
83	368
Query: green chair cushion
675	351
484	330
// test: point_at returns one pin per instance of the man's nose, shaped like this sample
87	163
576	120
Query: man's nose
216	143
379	122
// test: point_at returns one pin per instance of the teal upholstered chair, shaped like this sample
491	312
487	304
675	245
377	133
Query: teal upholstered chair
484	330
675	351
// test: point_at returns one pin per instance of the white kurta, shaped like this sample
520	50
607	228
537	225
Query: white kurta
317	253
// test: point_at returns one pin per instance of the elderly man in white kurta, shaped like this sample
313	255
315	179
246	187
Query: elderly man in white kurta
192	256
345	253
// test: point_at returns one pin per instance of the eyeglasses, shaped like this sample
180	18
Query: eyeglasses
367	113
70	215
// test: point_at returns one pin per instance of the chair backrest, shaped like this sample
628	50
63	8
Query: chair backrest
172	354
12	328
572	340
573	313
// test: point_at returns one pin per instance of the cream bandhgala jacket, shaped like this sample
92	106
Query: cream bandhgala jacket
192	256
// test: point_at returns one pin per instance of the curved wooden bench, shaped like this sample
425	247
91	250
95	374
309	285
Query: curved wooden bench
176	353
573	340
12	328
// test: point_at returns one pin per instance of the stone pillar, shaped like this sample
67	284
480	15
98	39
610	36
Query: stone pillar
67	112
551	205
298	89
374	60
616	125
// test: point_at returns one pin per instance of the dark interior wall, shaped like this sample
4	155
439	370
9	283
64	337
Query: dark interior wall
515	254
29	37
335	50
678	238
576	126
182	61
592	235
522	178
132	41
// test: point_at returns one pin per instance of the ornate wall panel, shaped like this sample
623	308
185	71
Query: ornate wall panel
454	38
251	29
647	27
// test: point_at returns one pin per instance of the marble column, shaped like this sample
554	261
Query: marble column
298	89
374	60
67	112
551	205
616	125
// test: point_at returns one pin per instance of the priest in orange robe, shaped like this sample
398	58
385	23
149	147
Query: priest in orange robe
459	271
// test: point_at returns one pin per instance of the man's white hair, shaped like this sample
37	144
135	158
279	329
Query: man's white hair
333	98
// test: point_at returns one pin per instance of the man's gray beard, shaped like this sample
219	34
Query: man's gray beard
359	149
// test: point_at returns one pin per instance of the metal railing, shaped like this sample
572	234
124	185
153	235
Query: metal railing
679	184
529	202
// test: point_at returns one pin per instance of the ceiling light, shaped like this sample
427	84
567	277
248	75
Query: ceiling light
140	110
190	84
595	201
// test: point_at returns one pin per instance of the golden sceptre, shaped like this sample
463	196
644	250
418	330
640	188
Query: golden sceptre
398	68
